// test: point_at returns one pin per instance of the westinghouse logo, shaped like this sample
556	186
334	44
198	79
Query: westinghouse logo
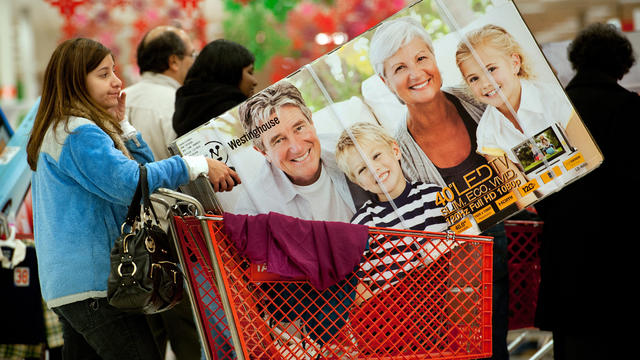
253	134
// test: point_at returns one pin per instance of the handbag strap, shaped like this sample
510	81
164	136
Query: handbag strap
146	199
134	207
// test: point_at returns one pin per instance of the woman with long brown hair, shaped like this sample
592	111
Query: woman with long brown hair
85	158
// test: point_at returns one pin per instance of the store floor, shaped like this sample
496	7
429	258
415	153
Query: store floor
533	341
529	341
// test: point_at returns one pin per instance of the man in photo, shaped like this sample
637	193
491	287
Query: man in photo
300	173
301	179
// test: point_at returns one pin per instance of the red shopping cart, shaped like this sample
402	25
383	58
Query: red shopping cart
524	282
524	271
440	309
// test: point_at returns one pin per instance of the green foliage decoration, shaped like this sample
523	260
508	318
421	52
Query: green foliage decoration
255	27
259	25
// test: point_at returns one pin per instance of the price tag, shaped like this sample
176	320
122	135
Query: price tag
21	276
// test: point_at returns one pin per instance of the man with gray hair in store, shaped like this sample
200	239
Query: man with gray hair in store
165	55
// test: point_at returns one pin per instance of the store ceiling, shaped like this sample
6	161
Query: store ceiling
557	20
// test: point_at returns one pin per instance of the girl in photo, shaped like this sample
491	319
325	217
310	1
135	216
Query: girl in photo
530	107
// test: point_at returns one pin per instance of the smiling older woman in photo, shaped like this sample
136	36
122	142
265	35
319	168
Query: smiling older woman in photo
439	129
438	135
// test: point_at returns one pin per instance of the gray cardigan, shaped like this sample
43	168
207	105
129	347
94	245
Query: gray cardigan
415	164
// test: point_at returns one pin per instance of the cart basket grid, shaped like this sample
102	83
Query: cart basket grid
432	301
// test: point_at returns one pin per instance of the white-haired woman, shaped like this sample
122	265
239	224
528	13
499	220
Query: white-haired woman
402	54
437	136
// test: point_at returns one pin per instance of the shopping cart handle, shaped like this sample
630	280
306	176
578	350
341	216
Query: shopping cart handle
182	197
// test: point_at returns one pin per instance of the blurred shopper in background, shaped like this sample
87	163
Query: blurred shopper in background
221	78
584	260
164	56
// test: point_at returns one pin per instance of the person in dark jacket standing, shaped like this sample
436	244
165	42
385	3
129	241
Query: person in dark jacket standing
584	253
220	78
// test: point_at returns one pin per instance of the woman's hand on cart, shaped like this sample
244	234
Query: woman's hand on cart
222	177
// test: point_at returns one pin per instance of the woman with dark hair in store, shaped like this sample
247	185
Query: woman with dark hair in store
85	156
220	78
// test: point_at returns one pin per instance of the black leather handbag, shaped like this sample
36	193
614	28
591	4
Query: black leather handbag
145	276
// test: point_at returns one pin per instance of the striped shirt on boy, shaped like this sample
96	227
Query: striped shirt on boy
389	261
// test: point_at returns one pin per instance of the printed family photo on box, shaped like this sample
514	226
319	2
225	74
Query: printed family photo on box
437	118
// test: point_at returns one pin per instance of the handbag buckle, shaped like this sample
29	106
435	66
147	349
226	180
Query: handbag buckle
133	226
125	243
135	268
150	244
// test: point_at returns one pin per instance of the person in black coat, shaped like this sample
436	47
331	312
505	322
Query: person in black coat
585	250
221	77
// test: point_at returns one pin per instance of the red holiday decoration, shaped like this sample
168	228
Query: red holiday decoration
112	4
188	5
282	66
303	32
67	9
69	29
200	30
140	25
313	26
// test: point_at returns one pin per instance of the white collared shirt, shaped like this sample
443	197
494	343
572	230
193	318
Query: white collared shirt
150	106
541	105
326	203
271	190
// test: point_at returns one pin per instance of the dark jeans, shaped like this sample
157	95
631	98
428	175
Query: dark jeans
177	326
93	329
586	345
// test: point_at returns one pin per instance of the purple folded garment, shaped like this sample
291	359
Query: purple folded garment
323	251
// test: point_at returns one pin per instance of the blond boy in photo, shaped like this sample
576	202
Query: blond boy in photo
396	203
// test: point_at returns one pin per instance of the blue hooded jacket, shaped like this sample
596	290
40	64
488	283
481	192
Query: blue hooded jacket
81	190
